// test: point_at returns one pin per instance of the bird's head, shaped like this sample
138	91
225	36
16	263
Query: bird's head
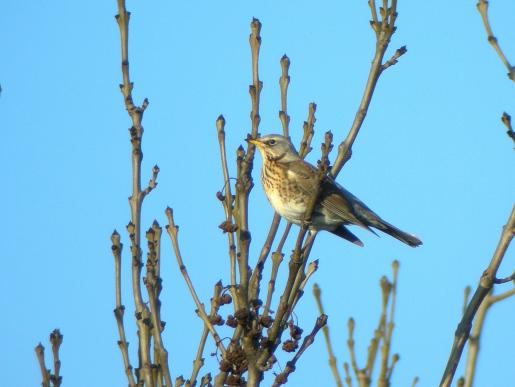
275	147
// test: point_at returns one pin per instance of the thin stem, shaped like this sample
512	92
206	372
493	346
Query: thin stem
119	310
227	201
137	196
198	363
153	284
246	160
384	31
486	283
173	231
284	81
506	120
56	339
45	373
267	246
282	378
482	7
475	335
277	258
332	359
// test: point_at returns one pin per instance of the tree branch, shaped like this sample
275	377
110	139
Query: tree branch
485	285
173	231
482	7
332	359
384	30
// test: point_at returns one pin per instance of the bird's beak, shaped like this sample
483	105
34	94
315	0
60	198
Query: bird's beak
254	141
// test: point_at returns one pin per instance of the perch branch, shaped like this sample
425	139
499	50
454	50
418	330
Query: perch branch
384	30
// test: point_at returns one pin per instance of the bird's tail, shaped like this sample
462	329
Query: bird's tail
343	232
409	239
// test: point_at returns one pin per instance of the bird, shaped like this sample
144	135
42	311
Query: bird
290	183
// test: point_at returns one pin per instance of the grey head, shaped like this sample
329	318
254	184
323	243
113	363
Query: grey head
274	147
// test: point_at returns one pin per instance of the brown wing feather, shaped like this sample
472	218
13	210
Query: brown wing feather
334	200
331	197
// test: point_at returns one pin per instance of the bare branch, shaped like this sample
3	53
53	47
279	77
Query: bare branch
282	378
482	7
308	131
137	196
45	373
485	285
48	378
227	202
173	231
119	310
332	359
198	363
153	283
395	58
284	81
384	30
506	120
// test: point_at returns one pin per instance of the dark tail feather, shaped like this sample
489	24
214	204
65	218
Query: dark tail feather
344	233
410	240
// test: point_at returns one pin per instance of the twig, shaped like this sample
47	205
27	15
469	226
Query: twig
486	283
284	81
384	30
48	378
348	380
153	284
282	378
173	230
308	131
475	335
277	258
227	201
245	164
56	339
361	374
386	371
137	196
466	295
45	373
119	310
482	7
198	363
255	279
332	359
506	120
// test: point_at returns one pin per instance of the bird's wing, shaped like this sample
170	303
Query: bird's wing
341	203
333	197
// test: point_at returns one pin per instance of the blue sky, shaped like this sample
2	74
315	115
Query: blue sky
432	158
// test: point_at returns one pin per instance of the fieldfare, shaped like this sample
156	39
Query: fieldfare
290	182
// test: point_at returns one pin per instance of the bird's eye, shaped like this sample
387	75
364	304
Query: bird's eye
271	142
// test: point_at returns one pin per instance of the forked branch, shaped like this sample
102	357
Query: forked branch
485	285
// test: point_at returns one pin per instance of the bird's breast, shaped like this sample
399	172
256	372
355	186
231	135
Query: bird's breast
283	194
